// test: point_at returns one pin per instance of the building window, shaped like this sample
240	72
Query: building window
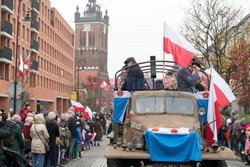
23	37
27	35
23	10
14	26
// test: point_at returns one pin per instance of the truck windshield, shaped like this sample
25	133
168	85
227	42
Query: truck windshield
179	105
150	105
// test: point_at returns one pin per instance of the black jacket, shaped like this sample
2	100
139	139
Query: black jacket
134	79
72	127
185	80
5	131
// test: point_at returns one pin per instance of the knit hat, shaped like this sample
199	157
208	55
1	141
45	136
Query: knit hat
30	115
29	119
51	115
16	118
243	119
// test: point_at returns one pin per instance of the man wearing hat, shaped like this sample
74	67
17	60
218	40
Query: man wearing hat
187	78
135	78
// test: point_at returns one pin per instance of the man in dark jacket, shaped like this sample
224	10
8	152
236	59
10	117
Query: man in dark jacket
187	78
5	131
73	132
135	77
53	131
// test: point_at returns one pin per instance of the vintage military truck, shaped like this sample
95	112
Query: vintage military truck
149	109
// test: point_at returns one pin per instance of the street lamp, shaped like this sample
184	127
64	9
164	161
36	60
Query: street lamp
26	20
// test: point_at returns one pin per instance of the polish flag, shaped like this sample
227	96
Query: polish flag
221	95
173	43
21	66
104	85
61	73
26	63
78	106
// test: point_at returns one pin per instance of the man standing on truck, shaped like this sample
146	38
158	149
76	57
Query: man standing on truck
187	78
135	78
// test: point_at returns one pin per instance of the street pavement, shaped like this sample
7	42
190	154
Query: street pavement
95	158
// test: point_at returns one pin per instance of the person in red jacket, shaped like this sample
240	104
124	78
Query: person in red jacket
27	139
24	111
228	136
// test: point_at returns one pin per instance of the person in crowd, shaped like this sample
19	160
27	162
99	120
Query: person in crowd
16	143
187	78
135	77
73	132
98	130
222	132
27	138
234	132
242	141
244	124
5	132
159	84
65	140
53	131
228	136
88	136
23	113
78	140
247	146
39	135
170	82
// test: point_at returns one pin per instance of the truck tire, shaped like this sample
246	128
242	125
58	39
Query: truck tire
114	162
214	163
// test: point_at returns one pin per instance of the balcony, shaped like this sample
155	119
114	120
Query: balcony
34	47
7	5
5	54
35	26
34	66
52	22
35	7
6	29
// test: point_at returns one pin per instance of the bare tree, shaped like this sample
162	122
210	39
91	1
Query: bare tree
210	25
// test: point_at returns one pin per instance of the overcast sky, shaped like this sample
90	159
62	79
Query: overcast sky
136	26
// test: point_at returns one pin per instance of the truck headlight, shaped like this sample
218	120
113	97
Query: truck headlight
119	141
203	144
138	143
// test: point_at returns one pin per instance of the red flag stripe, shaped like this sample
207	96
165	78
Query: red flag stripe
221	98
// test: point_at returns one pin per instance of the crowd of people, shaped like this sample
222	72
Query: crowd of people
235	134
50	139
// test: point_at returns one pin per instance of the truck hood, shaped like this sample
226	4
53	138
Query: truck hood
164	121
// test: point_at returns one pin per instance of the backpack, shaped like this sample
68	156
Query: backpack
9	141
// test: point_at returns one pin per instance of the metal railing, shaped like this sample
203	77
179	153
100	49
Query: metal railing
34	65
5	52
8	3
36	5
34	45
6	27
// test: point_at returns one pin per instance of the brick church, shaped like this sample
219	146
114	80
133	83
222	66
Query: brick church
91	54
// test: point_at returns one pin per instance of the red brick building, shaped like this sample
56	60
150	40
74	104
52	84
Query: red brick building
50	41
91	43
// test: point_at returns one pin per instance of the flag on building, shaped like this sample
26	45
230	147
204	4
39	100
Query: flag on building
26	63
61	73
21	66
173	43
221	95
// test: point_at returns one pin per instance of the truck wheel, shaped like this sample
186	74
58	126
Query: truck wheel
218	163
114	162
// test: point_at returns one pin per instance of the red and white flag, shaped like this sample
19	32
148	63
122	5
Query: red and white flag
26	63
77	106
21	66
88	113
173	43
104	85
61	73
221	95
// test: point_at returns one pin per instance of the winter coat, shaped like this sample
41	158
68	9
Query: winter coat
134	79
228	136
18	139
88	135
5	131
98	130
78	137
235	125
247	146
72	127
23	113
185	80
37	145
26	131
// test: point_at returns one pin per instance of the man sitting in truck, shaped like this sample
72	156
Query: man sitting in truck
135	77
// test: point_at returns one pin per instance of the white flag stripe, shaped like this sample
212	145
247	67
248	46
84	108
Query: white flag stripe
222	85
76	104
211	111
177	39
88	110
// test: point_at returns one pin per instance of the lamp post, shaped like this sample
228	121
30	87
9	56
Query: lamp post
27	18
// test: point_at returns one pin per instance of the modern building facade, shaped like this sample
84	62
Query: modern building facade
50	42
91	43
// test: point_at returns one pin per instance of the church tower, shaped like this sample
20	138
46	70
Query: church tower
91	37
